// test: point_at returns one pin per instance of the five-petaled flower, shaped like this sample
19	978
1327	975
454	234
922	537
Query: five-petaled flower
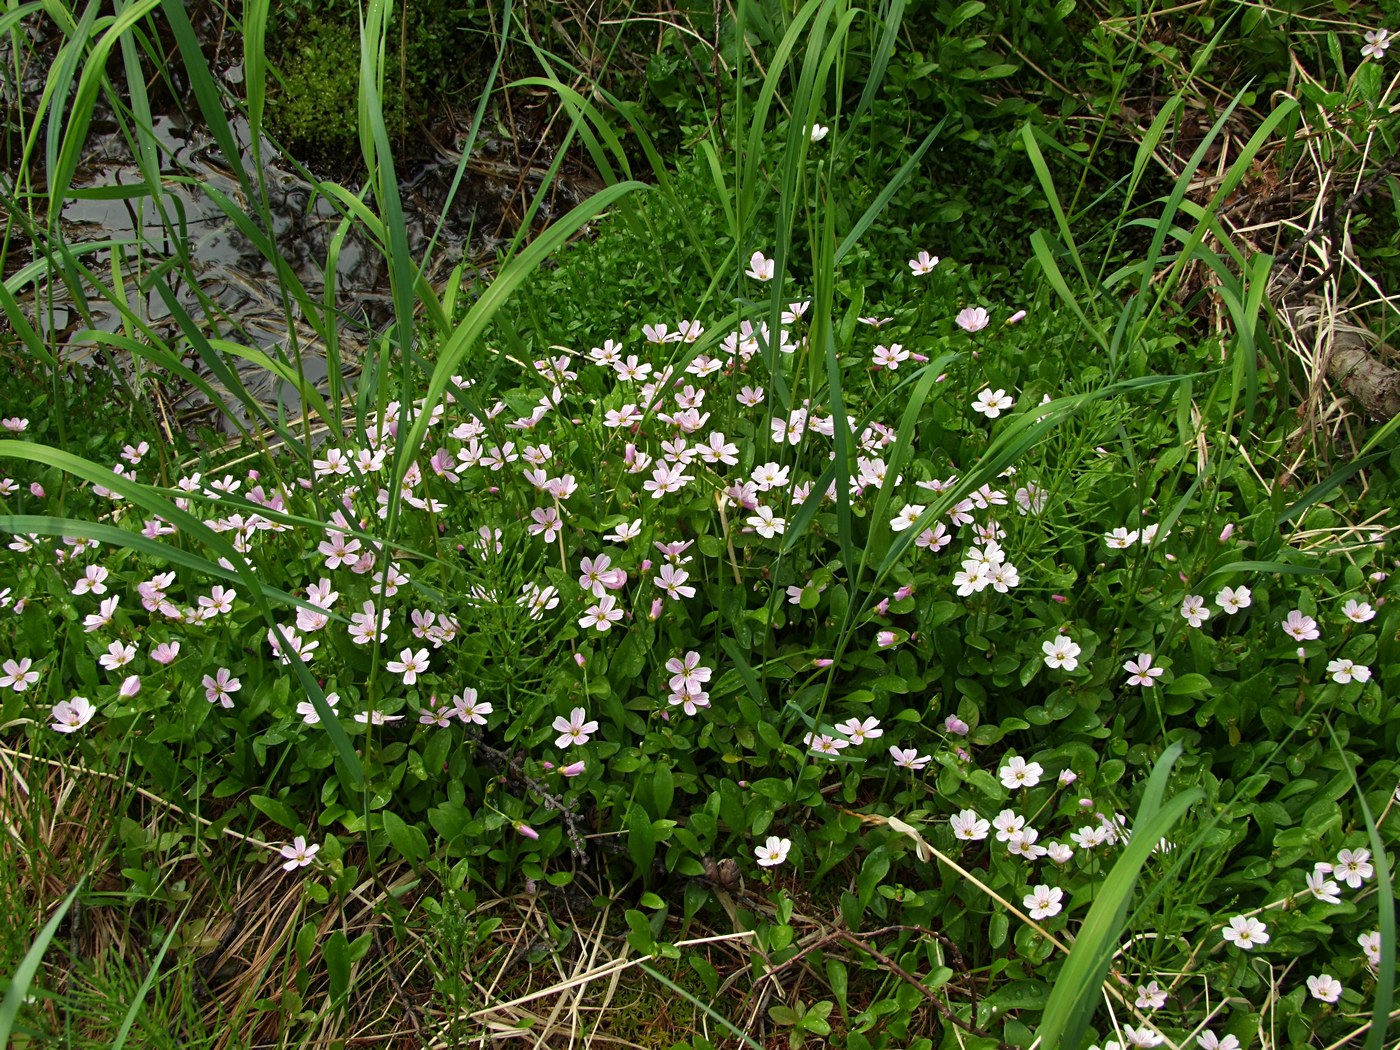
1246	932
1044	901
1018	773
1324	987
18	676
969	826
1232	599
1193	610
1061	652
773	852
409	664
760	267
972	319
298	854
71	715
1299	627
923	263
219	687
1344	671
909	758
1377	40
1141	672
991	403
575	729
1353	867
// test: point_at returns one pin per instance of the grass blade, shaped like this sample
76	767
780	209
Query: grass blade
29	966
1076	990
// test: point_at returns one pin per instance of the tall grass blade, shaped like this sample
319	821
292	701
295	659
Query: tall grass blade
152	972
23	976
1077	988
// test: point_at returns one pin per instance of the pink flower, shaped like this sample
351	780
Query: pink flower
219	687
1299	627
574	729
298	854
526	830
71	715
972	319
1141	672
130	687
165	653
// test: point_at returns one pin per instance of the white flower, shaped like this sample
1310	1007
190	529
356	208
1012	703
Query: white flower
1353	867
1018	773
1151	996
1061	652
1121	538
991	403
1143	1036
1246	932
859	731
1044	901
923	263
1377	40
1358	612
1232	599
409	664
766	524
773	852
817	132
906	517
972	319
1193	610
1321	887
909	758
970	827
760	268
71	715
1325	988
1344	671
1008	824
1371	946
1141	672
1210	1041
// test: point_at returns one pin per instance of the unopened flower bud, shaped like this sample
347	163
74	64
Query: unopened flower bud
131	686
527	831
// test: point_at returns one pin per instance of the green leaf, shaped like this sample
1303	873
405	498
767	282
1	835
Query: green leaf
336	953
1190	685
641	840
275	809
407	839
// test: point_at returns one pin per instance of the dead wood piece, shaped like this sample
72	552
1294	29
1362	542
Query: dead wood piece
1371	383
